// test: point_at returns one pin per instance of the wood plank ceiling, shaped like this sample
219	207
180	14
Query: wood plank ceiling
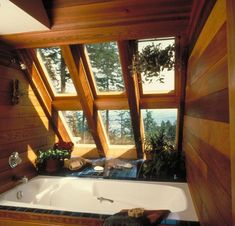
90	21
86	21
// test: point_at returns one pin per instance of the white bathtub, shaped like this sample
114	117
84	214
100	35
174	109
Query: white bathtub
101	196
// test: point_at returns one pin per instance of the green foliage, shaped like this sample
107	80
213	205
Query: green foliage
152	60
163	159
51	154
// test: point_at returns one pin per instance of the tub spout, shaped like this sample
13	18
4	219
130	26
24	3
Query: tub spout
23	179
101	199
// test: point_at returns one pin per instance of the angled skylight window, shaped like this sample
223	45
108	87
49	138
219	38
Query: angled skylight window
155	85
56	70
105	63
77	125
160	120
118	127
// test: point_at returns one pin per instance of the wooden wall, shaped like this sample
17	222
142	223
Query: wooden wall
23	127
206	122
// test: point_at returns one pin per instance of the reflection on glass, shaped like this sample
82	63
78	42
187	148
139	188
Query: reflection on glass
77	124
160	120
155	86
118	126
55	67
104	59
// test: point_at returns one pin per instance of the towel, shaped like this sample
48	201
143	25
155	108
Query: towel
74	163
149	217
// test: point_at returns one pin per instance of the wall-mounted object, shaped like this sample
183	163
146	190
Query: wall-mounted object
14	160
15	98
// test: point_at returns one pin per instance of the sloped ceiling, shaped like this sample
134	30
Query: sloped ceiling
18	16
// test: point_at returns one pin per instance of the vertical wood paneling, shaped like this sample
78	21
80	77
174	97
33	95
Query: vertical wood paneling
23	127
206	139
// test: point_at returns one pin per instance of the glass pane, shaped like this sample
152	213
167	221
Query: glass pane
118	126
160	120
104	59
77	124
56	69
155	86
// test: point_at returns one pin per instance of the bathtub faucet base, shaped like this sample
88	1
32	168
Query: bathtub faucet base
101	199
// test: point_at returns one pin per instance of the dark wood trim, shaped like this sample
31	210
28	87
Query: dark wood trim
200	12
19	218
183	55
132	88
9	58
214	106
231	74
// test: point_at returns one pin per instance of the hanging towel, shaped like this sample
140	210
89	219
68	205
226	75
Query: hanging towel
149	217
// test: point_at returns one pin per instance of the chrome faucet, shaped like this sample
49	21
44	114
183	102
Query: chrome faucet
23	179
101	199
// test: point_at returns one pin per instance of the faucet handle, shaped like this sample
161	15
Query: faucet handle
14	159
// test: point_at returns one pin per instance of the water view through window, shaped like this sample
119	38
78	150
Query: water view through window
78	127
160	120
118	127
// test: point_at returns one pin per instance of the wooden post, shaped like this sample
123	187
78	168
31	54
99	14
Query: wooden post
132	91
76	68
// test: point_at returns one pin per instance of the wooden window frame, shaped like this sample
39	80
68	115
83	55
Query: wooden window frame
132	99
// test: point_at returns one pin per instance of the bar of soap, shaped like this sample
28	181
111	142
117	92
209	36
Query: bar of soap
99	168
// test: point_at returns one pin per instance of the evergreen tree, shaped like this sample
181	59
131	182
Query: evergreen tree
106	67
149	123
56	68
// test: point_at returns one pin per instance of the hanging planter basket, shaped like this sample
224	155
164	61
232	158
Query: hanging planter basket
152	61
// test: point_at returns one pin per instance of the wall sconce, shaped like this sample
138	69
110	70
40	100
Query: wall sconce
15	98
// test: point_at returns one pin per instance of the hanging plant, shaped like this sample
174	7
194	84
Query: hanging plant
152	61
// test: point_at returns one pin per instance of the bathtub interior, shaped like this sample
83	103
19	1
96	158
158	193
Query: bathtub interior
102	196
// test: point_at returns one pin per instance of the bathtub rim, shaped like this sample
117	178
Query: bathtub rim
173	215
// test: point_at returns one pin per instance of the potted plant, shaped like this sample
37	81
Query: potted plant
152	60
51	160
164	162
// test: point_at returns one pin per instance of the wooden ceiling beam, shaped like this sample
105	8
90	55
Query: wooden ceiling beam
37	84
156	102
132	92
75	65
71	104
142	30
111	103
